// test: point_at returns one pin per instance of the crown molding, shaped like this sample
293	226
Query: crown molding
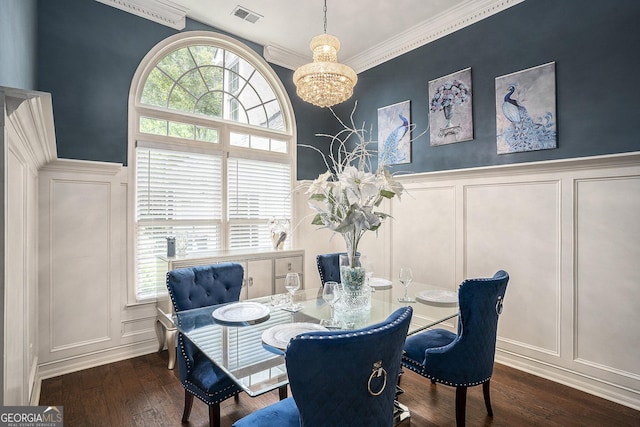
161	11
455	19
284	57
467	13
30	115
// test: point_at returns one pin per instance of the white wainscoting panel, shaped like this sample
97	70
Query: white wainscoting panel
80	267
515	227
424	238
86	318
79	275
608	274
567	232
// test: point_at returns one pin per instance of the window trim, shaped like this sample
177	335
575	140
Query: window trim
136	109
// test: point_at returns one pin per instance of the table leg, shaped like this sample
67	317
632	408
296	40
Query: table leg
167	333
171	346
282	392
160	332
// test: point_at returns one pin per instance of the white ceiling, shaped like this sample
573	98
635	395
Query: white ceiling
370	31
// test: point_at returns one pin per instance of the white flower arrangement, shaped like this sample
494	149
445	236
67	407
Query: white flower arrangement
347	196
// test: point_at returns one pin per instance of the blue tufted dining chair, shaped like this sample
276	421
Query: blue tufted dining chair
340	378
195	287
329	266
464	359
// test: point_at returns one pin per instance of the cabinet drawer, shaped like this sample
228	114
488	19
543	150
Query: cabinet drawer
288	265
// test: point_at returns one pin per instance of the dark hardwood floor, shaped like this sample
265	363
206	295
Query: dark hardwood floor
143	392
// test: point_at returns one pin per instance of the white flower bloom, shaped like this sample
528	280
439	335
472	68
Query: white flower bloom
346	204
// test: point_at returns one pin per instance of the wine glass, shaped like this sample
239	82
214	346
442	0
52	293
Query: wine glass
406	276
331	293
292	284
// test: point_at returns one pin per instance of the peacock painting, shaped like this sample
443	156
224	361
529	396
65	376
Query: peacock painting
394	134
525	110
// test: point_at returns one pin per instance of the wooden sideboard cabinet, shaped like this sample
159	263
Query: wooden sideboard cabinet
264	273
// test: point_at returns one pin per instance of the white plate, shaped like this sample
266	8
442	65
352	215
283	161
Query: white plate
242	312
438	297
379	283
279	336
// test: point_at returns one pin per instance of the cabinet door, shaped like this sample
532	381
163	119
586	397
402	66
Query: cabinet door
288	265
259	276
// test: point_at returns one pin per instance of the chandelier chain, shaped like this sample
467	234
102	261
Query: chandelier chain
325	16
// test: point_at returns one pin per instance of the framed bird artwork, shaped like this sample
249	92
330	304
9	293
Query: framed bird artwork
394	134
526	110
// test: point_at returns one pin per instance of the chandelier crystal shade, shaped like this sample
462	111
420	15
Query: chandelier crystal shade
324	82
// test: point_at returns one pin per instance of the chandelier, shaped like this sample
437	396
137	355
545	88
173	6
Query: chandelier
324	82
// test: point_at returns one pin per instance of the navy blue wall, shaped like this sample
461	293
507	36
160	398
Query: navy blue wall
88	53
18	44
595	46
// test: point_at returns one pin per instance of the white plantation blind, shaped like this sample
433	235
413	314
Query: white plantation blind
176	192
257	191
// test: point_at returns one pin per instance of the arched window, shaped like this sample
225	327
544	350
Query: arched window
211	149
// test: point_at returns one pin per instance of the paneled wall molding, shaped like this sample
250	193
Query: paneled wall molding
567	233
561	165
83	166
82	274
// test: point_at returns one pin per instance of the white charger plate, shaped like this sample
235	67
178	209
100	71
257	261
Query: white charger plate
438	297
380	283
279	336
242	312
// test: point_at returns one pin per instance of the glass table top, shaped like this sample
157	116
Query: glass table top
237	348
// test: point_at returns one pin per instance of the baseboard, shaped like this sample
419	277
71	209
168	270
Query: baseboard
89	360
570	378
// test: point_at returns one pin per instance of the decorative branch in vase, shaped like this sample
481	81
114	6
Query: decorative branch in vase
347	197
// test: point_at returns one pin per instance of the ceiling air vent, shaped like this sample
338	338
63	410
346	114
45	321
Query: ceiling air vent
244	13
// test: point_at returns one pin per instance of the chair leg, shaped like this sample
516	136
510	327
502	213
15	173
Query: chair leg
487	398
214	415
461	405
237	397
188	403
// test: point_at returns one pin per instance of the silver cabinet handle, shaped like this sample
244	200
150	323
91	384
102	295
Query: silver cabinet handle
250	281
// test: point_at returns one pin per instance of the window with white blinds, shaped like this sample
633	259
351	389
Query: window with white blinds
257	190
177	193
213	159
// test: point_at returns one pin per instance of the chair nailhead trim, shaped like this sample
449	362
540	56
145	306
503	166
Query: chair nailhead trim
416	367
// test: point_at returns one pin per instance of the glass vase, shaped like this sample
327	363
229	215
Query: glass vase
356	296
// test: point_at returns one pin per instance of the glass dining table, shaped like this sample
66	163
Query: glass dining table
238	348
